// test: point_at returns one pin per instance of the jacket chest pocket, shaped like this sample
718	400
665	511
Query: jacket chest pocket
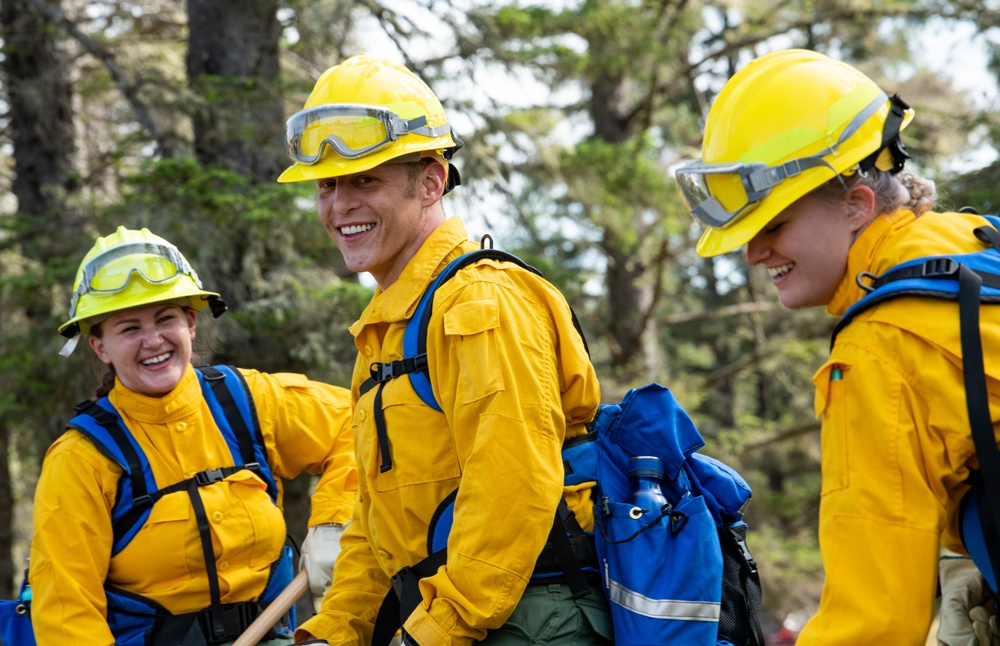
831	404
421	448
166	531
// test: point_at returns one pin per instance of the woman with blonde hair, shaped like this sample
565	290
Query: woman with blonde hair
802	164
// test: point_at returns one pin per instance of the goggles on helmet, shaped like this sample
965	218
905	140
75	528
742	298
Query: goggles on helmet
353	130
108	273
748	183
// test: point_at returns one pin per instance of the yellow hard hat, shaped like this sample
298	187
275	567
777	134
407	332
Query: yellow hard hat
782	126
362	113
128	269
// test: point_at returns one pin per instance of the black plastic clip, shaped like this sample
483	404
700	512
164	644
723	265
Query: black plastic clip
939	267
208	476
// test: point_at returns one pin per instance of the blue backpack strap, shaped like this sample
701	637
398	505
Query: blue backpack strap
579	456
415	336
100	423
233	409
935	276
414	361
977	403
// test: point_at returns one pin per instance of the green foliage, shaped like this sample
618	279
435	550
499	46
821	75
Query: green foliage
585	171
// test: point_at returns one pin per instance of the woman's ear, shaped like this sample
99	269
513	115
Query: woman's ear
192	317
97	345
860	201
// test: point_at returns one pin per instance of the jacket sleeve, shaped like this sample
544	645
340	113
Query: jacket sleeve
511	376
71	544
352	602
307	427
881	513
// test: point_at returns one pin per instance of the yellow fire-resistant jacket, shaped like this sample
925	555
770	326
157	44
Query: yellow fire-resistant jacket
305	426
896	440
513	380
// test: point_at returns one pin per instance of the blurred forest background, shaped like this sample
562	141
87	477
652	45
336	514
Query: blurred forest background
169	115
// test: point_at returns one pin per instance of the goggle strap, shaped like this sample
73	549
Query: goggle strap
890	138
395	127
134	248
763	180
430	133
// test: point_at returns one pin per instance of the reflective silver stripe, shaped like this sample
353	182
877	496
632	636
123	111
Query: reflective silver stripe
664	608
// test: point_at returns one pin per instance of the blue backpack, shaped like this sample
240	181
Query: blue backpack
970	279
681	574
133	619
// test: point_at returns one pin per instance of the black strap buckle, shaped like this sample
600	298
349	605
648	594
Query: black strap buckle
208	476
939	267
382	371
140	503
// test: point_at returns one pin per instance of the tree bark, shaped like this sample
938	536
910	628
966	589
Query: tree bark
233	67
36	77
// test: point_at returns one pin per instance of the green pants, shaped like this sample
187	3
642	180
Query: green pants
548	614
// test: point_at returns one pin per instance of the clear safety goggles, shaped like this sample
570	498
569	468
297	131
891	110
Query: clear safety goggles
743	185
112	271
353	130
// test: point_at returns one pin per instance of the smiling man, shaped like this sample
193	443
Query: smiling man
508	368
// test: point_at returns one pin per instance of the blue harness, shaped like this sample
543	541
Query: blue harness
135	620
663	574
970	279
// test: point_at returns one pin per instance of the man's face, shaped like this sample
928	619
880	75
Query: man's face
376	217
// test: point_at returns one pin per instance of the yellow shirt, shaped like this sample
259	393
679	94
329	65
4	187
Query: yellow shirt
895	439
513	380
305	426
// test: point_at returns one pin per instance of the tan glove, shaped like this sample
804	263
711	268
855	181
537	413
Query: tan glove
319	553
965	619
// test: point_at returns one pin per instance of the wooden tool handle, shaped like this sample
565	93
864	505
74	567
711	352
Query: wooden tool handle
274	611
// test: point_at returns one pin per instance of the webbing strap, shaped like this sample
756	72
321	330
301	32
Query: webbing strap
748	576
244	438
977	403
404	597
218	625
890	137
381	431
141	499
559	538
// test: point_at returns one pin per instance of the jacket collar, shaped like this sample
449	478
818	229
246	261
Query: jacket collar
866	254
181	401
398	302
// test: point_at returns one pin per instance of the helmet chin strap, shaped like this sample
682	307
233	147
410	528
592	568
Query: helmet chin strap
70	346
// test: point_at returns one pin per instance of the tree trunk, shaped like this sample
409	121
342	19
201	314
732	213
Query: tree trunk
35	69
233	67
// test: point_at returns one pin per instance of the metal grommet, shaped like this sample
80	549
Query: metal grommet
21	609
635	513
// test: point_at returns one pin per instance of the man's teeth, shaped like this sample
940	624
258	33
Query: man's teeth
355	228
155	360
774	272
